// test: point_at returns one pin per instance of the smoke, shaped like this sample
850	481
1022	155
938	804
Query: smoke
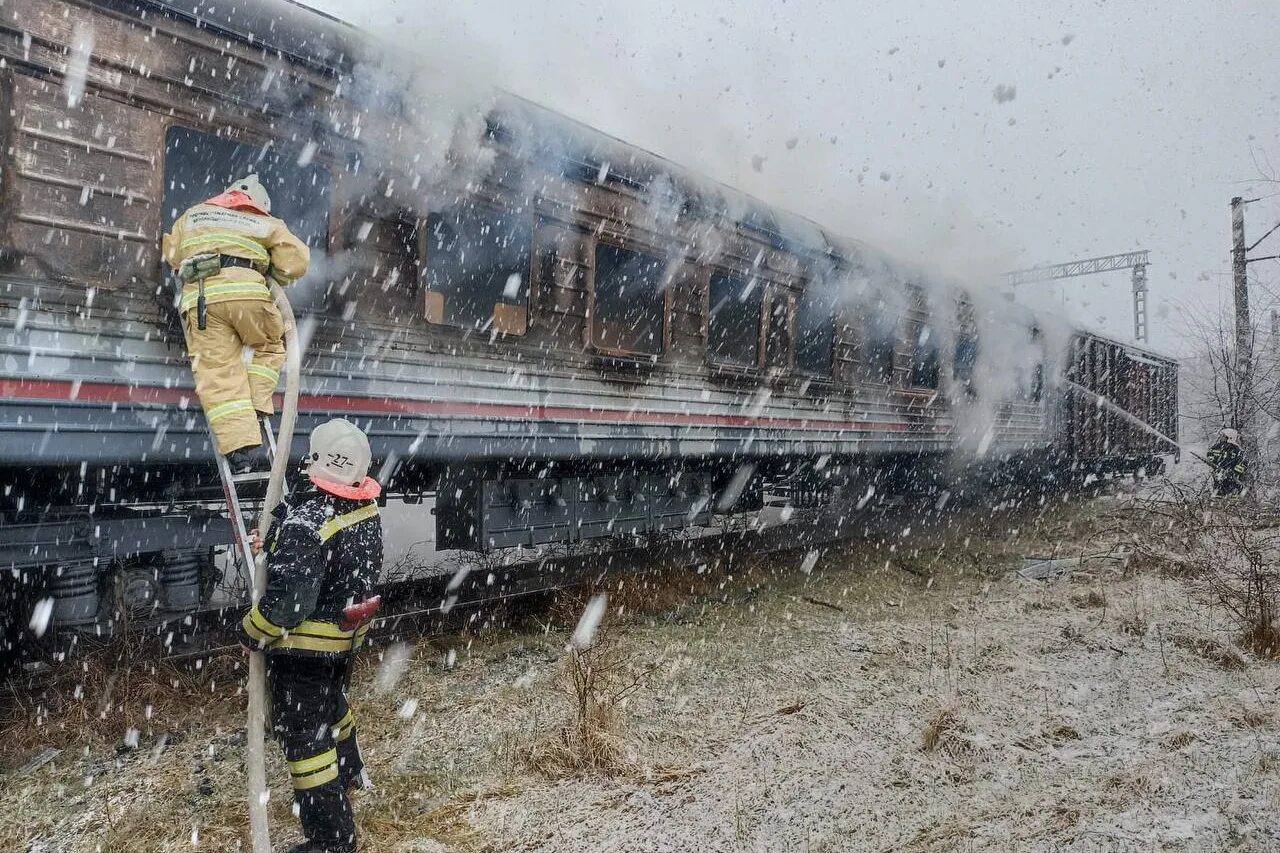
713	89
723	98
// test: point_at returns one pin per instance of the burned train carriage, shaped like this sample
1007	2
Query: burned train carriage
560	336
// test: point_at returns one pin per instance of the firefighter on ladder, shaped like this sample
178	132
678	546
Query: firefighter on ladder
225	250
324	553
1227	458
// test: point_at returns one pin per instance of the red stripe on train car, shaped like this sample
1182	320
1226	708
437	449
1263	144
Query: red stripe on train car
106	392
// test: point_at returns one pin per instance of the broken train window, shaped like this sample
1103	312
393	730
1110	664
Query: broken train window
965	359
199	165
881	341
734	308
926	359
778	329
816	330
393	238
478	268
630	301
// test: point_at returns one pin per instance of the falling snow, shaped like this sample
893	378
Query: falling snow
733	499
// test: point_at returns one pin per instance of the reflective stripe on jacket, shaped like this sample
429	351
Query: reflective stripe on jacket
323	553
1226	458
307	636
264	240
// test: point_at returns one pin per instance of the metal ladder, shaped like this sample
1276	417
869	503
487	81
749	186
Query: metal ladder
244	542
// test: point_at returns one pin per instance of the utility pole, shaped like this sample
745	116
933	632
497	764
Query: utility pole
1244	329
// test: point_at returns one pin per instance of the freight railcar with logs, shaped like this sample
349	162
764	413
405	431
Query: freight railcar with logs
559	336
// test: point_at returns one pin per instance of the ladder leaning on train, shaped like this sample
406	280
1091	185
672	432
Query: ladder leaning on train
225	251
330	556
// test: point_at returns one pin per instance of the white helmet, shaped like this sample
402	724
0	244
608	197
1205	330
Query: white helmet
1231	436
253	188
339	453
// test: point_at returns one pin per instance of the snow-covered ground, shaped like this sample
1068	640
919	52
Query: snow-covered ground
914	699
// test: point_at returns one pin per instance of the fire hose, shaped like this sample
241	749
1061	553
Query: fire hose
255	758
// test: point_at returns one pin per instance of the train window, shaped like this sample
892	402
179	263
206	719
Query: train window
394	240
1032	387
778	331
925	360
966	357
733	320
816	331
1029	381
629	311
478	266
881	338
199	165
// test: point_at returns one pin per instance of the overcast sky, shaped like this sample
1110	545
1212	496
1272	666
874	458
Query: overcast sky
975	135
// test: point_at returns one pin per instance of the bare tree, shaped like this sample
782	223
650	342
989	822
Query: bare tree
1217	393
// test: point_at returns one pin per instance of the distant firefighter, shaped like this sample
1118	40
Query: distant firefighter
225	250
1227	459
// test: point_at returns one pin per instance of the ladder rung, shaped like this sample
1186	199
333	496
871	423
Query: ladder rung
251	477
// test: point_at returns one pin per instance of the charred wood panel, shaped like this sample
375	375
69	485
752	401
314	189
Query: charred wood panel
687	331
8	111
557	293
82	198
161	58
847	348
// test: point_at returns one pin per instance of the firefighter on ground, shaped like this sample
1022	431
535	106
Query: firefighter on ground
1227	459
225	250
324	553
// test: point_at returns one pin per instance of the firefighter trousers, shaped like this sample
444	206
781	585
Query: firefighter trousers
231	392
315	727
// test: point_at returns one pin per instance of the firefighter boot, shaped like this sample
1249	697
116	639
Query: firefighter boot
246	459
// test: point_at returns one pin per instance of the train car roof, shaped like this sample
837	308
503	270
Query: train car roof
327	44
302	34
596	155
330	45
1144	352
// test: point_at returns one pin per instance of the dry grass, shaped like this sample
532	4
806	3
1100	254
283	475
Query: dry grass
1092	598
1131	784
591	738
102	697
1179	739
945	732
1226	551
188	764
1253	718
1063	733
1133	624
648	593
1214	650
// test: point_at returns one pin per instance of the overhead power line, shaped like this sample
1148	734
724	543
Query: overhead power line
1136	261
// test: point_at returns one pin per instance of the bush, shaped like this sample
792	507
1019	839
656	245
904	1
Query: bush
1227	549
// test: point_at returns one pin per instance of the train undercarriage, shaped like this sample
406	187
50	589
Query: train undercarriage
80	560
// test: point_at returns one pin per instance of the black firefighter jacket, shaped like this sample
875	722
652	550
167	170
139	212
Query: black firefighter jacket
324	553
1227	460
